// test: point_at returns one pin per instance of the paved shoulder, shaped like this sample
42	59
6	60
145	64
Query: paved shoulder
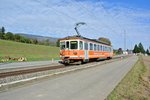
25	64
90	84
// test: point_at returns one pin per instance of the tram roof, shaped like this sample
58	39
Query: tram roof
81	37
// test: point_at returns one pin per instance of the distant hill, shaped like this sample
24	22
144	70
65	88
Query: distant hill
39	38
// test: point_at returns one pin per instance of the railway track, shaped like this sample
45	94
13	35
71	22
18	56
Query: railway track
27	71
33	70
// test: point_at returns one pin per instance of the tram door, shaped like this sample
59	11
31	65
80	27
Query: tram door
86	53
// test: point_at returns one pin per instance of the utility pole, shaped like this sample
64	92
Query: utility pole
124	40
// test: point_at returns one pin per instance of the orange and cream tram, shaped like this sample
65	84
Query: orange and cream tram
81	49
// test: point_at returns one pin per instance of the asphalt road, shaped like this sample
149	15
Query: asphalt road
26	64
89	84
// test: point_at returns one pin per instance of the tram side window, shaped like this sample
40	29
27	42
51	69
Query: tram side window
81	45
86	46
103	48
74	45
95	47
91	46
111	49
100	47
62	45
108	49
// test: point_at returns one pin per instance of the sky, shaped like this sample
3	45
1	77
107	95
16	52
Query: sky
113	19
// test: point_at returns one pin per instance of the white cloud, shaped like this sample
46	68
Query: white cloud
57	18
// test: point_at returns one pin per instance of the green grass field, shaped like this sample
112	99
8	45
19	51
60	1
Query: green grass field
30	51
132	86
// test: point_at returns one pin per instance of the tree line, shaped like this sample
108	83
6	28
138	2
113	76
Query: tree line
16	37
104	40
140	49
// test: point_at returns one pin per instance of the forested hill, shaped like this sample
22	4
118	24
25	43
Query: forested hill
39	38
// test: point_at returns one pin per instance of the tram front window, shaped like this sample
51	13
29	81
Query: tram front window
62	45
74	45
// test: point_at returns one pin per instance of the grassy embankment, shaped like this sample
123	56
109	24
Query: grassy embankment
30	51
135	85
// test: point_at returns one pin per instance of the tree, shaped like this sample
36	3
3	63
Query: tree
141	48
46	42
3	30
136	49
119	51
25	40
147	52
2	35
17	37
105	40
9	36
58	43
22	39
34	41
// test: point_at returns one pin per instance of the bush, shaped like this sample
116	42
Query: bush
105	40
25	40
17	38
9	36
